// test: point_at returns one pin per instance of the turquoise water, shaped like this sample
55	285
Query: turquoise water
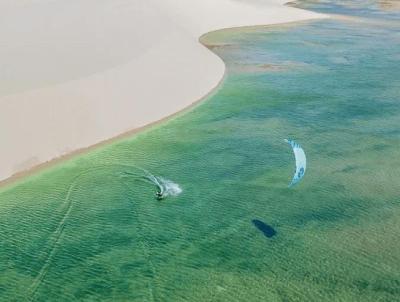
91	229
371	9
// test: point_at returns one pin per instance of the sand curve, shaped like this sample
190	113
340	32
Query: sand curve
78	73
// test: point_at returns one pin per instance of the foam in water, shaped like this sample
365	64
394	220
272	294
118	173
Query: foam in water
166	187
329	243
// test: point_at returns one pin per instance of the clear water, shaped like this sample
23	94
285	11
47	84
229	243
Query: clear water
91	228
371	9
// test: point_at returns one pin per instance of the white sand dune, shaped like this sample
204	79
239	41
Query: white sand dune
75	73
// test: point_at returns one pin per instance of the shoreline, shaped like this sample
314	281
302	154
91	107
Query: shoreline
36	168
19	176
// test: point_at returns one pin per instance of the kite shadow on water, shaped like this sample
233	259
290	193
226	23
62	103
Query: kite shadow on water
267	230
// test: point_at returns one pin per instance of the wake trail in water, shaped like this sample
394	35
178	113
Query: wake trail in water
57	234
166	188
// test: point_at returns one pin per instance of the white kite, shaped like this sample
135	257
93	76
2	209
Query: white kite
301	161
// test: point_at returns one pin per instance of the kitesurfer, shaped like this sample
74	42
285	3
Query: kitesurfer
159	195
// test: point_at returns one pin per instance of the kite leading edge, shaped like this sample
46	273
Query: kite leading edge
301	161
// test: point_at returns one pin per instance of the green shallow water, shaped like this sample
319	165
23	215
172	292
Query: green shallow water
85	231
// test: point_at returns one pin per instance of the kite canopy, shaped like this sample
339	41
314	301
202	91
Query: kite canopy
301	161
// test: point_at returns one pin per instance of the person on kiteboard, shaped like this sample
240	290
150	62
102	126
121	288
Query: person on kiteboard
159	195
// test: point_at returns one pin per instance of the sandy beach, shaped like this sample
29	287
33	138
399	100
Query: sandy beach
173	150
76	73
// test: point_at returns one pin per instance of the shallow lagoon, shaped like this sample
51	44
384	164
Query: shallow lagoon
83	230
